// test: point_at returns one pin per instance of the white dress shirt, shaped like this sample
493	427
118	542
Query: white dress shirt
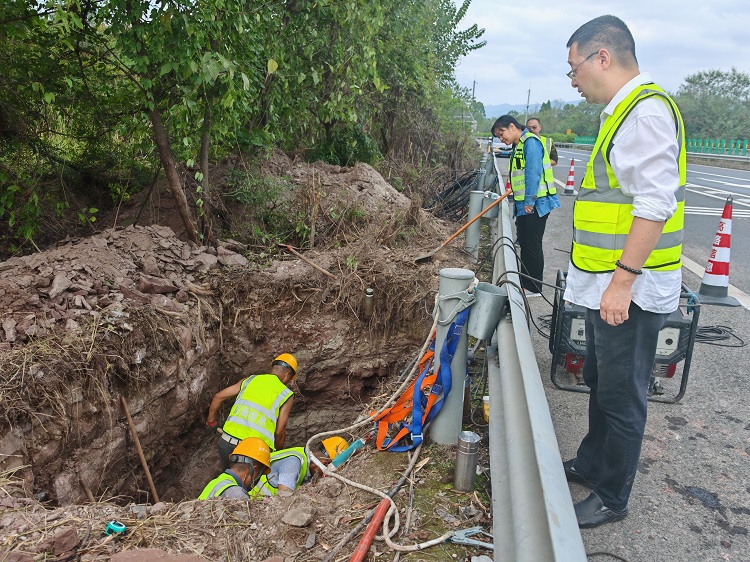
644	159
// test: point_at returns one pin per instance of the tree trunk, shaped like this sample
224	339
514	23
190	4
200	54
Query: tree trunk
173	179
208	214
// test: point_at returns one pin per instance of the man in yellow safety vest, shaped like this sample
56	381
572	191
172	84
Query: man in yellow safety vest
260	410
625	259
535	126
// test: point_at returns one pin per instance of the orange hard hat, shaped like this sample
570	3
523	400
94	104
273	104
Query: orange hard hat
251	449
288	360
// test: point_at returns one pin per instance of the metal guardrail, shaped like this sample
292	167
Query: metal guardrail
533	517
726	160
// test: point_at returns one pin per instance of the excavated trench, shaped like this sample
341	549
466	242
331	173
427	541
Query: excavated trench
137	314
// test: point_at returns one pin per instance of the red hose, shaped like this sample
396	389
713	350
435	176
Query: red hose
372	529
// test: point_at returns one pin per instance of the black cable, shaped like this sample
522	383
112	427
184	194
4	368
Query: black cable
712	334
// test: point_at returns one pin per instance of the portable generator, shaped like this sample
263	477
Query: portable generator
567	343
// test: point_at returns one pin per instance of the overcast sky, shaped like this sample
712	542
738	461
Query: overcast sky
526	43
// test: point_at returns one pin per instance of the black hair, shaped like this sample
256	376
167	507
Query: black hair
535	119
605	32
503	123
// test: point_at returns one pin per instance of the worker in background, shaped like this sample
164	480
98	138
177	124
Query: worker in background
535	126
249	462
290	468
534	195
260	410
625	264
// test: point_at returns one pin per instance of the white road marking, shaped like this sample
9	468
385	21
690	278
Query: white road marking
732	291
714	175
711	192
716	212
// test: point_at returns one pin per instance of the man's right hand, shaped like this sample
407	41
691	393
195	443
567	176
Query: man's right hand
211	424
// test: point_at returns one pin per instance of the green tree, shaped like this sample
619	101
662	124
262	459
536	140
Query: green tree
716	104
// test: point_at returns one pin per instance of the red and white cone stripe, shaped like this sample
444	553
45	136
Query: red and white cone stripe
570	185
717	269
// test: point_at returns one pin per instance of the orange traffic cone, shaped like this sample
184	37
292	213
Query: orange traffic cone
715	285
570	185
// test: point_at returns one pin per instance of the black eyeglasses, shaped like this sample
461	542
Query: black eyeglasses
572	73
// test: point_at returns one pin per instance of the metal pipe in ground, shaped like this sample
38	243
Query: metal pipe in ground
447	424
138	448
476	199
482	177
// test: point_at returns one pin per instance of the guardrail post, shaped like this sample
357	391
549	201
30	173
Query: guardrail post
447	424
472	233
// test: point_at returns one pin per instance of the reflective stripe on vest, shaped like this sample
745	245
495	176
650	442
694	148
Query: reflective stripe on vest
602	215
216	487
518	171
263	483
256	409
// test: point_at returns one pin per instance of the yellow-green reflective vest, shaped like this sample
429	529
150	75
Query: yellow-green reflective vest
518	171
547	142
256	409
263	483
602	215
216	487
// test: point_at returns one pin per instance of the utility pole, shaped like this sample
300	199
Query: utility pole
473	89
528	97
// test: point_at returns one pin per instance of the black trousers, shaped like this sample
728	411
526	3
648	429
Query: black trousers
617	369
530	230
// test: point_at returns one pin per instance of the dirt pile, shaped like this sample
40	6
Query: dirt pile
102	276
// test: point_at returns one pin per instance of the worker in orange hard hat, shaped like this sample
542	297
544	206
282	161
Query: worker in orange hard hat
261	409
250	460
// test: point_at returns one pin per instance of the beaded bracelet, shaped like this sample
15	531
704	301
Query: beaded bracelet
621	265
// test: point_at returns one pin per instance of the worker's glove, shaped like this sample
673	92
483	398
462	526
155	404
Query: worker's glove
211	424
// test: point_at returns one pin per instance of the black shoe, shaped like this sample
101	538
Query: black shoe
592	512
572	475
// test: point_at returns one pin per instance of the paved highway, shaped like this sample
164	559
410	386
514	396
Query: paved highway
707	190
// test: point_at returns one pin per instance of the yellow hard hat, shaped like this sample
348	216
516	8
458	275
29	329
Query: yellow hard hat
287	360
334	445
251	449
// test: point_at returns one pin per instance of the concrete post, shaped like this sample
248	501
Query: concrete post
472	233
447	425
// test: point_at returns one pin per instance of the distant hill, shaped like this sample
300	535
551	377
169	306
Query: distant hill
494	111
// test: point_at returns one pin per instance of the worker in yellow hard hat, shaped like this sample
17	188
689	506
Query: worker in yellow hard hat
250	460
261	408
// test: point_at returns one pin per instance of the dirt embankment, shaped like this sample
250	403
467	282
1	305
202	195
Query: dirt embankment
137	313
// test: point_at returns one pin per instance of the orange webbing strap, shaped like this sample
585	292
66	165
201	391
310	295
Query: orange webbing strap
403	406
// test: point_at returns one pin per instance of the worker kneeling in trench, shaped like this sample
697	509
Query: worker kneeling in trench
260	410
